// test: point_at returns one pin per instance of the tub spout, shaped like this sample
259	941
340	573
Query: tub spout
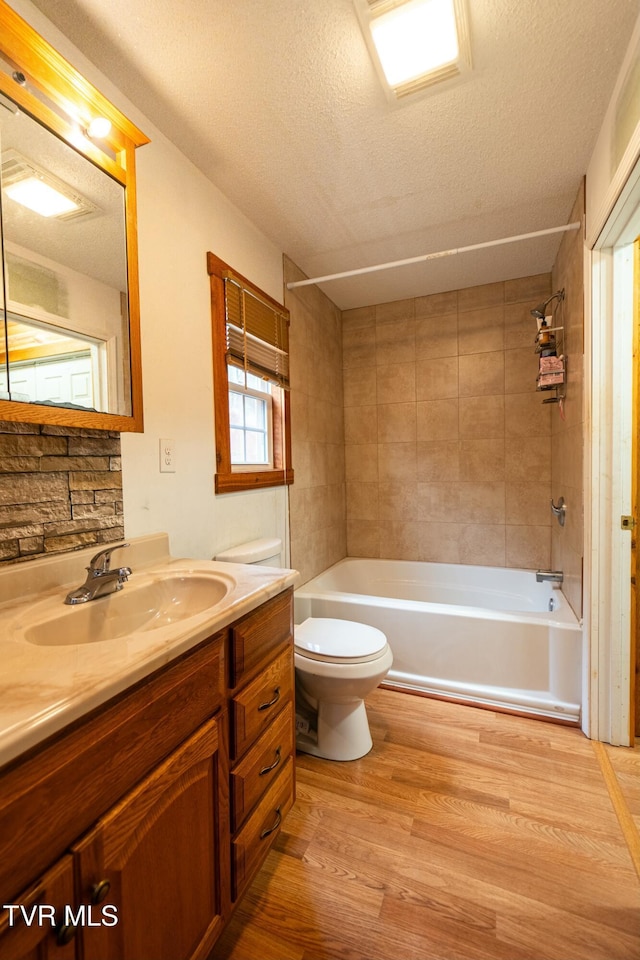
554	576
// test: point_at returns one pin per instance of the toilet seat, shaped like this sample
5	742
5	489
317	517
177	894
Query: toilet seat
343	641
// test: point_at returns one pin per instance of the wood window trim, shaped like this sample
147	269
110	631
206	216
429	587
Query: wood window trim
226	479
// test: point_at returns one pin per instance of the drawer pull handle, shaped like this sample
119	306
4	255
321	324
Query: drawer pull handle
65	934
270	703
99	891
265	833
273	765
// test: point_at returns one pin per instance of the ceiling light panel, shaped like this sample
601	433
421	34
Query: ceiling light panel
35	188
415	44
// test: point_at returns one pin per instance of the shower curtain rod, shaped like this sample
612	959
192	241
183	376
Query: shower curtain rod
432	256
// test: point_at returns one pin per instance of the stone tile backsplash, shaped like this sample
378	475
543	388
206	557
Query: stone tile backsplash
60	490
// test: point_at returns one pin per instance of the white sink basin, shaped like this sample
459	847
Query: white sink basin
136	608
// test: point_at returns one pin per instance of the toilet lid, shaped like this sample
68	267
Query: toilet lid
322	638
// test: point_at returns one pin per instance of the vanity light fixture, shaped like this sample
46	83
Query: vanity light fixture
415	43
99	128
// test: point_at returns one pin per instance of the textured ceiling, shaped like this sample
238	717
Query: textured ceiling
278	103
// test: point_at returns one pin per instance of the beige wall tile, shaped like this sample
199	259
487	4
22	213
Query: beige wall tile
358	346
397	502
396	310
483	544
362	501
359	317
397	461
361	424
519	326
438	502
536	287
520	370
528	547
437	379
438	460
481	331
361	462
437	337
487	295
482	374
481	503
396	422
482	460
363	539
528	503
437	420
399	541
396	383
437	304
396	342
359	386
481	418
440	542
528	459
461	472
527	416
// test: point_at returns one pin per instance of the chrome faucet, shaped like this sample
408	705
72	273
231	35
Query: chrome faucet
554	576
101	579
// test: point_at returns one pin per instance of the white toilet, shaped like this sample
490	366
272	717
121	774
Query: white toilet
338	662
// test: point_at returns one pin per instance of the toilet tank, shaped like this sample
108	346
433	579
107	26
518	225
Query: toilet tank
266	552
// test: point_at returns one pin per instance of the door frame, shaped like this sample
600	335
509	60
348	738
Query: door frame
610	427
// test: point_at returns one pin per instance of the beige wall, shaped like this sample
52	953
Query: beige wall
448	444
317	497
567	543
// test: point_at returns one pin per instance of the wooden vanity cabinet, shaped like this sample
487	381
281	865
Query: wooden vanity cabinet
262	743
155	858
142	812
33	939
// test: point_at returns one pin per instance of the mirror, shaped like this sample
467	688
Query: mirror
69	353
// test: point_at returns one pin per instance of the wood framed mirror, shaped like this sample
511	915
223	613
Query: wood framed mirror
69	299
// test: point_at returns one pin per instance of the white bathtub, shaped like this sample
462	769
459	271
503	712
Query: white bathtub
480	635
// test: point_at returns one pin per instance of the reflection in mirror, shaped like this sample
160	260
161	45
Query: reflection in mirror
65	273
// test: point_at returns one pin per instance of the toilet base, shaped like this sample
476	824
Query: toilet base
342	732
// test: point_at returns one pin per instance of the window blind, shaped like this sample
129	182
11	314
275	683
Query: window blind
257	333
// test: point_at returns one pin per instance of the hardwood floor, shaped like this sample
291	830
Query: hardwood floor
464	835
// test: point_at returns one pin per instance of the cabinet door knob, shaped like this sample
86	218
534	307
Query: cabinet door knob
270	703
99	891
265	833
65	934
273	765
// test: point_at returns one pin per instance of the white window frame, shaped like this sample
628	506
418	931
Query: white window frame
267	399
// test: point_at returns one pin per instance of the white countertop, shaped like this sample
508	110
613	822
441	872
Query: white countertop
45	687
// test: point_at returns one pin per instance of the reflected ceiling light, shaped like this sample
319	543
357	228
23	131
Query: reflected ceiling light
99	128
415	43
40	191
38	196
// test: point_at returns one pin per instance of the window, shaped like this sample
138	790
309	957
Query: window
250	420
251	383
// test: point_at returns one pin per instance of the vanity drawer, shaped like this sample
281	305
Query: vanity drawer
257	636
259	768
253	842
255	706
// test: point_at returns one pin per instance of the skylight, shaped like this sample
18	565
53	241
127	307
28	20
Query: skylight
415	43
